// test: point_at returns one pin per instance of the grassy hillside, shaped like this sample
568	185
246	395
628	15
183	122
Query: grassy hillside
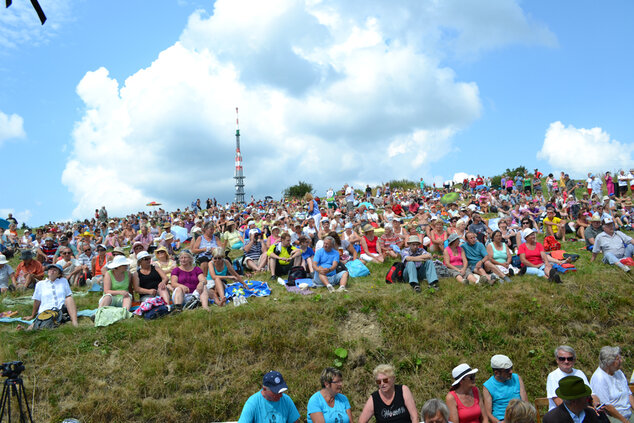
199	366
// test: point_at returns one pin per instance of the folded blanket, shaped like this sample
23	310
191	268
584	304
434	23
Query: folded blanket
108	315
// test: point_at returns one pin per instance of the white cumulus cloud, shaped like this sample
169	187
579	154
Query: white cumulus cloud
329	92
578	151
11	126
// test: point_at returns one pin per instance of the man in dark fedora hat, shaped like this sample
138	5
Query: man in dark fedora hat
574	409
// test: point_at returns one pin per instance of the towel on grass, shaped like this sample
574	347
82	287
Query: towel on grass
254	289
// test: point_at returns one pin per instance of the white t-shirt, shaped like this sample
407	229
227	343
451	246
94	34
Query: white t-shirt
612	390
51	294
552	383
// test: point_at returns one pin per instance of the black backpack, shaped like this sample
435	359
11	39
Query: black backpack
395	274
297	272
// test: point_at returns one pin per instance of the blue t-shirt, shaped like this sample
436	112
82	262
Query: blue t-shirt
258	409
308	253
474	253
502	393
325	259
335	414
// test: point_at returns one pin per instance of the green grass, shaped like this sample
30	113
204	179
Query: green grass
200	366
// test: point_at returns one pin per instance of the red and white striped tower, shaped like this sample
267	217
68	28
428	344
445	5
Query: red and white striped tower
238	176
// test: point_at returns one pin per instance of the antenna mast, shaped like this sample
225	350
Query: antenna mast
238	176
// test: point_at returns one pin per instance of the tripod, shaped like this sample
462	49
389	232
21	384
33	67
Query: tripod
14	387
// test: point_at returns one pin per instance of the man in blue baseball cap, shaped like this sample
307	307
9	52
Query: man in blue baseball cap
271	404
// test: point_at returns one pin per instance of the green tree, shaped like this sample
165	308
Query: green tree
298	190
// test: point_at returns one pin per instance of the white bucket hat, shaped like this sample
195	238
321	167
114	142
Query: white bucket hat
118	261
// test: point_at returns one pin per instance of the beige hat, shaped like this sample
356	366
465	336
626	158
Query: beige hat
367	228
3	259
413	239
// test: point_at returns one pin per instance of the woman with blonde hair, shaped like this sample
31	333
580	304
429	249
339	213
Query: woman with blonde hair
313	209
389	403
519	411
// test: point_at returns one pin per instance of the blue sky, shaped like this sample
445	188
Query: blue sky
119	103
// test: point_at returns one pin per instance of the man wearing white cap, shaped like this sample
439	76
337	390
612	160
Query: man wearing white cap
501	388
271	404
615	245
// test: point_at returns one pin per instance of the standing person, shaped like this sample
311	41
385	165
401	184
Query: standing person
313	209
271	403
463	400
390	403
574	393
609	184
418	265
329	405
501	388
623	184
566	358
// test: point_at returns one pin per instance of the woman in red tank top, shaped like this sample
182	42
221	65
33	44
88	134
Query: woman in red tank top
370	248
463	400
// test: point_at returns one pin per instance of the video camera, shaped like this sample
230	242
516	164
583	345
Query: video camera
12	369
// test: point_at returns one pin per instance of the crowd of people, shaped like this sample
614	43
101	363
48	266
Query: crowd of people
473	233
502	398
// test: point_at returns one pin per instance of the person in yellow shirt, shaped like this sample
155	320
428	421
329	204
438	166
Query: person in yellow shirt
554	226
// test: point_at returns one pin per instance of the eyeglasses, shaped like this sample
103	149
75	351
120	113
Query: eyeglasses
218	258
384	380
145	258
87	251
472	377
67	252
562	359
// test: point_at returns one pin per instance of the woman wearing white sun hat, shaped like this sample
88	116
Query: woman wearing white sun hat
6	274
116	284
463	399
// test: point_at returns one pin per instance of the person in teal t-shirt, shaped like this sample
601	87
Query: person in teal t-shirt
501	388
271	404
329	403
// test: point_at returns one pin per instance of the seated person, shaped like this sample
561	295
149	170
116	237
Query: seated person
307	253
614	245
478	258
479	227
370	247
188	282
149	280
117	284
390	242
418	265
566	358
501	388
28	272
53	293
325	263
574	394
72	269
609	383
456	261
220	271
534	259
554	226
437	235
283	256
434	411
47	251
7	275
255	251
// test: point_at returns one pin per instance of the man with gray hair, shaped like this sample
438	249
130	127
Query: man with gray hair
434	411
615	245
325	263
566	359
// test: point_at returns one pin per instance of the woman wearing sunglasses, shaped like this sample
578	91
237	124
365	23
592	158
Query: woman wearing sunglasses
220	270
463	399
390	403
329	405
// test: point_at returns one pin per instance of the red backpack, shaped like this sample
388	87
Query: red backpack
551	244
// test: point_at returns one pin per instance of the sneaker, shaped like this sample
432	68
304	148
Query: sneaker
330	288
281	281
342	289
507	279
511	271
434	285
273	277
477	281
622	266
522	270
416	287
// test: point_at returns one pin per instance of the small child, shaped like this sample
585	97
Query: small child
307	253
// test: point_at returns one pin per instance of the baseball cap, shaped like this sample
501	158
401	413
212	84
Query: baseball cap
275	382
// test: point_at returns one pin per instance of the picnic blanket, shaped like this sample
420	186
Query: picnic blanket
255	289
298	290
106	316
